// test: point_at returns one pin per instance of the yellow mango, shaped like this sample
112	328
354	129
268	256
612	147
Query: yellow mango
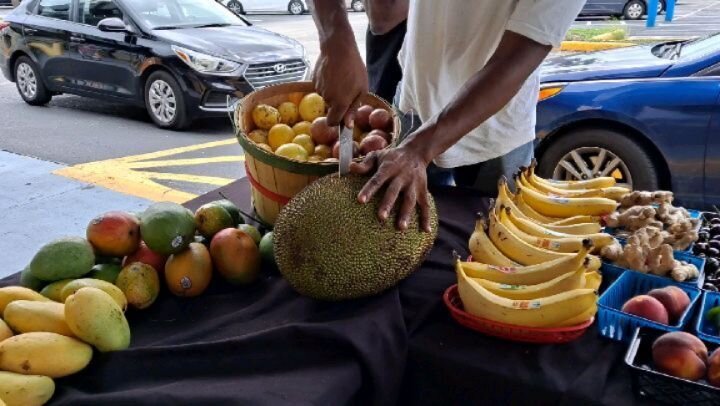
25	390
5	331
97	319
107	287
11	293
40	353
53	291
25	316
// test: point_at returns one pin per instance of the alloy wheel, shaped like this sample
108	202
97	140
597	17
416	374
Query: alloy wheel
27	81
296	8
358	6
635	11
235	7
592	162
162	101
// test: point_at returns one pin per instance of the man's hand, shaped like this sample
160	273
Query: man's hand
403	170
341	79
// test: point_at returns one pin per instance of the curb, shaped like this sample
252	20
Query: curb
590	46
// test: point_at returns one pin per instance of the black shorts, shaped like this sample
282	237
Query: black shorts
384	71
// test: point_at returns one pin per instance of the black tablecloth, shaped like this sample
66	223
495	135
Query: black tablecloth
264	344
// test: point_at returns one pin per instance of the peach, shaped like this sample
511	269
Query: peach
146	256
647	307
680	354
114	234
675	300
713	372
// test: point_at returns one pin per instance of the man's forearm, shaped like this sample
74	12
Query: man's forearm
483	95
331	20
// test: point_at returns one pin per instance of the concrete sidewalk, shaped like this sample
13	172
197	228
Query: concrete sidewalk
38	207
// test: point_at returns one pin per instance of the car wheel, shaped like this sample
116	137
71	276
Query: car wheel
661	6
296	8
29	82
590	153
165	101
358	6
634	10
236	7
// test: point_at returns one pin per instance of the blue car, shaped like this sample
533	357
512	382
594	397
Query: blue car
647	115
628	9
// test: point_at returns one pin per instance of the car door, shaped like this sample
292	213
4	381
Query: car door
47	34
592	7
105	62
712	151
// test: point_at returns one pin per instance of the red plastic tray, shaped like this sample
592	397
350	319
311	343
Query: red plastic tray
509	331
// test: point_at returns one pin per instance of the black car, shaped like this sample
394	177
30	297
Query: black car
181	59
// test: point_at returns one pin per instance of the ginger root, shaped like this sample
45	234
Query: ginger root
644	198
684	271
612	252
632	218
660	260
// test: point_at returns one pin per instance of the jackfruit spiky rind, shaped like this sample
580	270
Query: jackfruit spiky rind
330	247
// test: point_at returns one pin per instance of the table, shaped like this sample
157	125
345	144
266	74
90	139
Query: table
265	344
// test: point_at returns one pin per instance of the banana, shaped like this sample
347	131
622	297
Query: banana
515	248
590	227
595	183
613	192
565	282
567	206
593	280
483	250
543	312
531	274
579	318
579	221
542	237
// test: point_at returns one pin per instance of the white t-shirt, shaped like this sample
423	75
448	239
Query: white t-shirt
448	41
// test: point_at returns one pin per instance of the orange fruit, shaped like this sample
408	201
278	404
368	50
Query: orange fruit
302	127
189	272
288	113
296	97
280	134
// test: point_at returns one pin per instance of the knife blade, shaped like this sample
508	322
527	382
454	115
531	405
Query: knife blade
346	150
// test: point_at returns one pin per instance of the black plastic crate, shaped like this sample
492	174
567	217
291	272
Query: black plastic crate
662	387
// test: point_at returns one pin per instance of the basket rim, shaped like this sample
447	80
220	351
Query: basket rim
452	292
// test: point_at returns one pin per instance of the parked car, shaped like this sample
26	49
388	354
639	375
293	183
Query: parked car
294	7
647	115
5	3
180	59
628	9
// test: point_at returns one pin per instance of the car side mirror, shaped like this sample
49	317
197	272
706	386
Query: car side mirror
112	24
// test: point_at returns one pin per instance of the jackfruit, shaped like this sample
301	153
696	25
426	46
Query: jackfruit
328	246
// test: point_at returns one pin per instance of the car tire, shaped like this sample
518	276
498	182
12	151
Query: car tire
165	101
296	8
357	6
643	173
29	82
236	7
634	10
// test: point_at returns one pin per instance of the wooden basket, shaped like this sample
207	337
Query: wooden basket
275	179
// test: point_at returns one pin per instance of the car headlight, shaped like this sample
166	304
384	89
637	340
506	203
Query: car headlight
204	63
550	90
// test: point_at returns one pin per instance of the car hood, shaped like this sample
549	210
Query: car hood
238	43
624	63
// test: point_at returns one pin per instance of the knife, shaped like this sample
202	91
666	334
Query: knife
346	150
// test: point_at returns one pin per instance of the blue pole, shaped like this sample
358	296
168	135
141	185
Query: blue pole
652	13
670	12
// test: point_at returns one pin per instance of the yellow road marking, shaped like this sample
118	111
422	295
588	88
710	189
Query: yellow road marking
125	175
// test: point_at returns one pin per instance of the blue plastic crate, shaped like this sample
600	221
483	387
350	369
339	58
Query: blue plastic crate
705	330
619	326
610	273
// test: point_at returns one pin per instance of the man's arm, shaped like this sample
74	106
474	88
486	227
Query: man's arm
340	75
484	94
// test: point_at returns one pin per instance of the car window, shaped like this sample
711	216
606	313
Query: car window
166	14
59	9
94	11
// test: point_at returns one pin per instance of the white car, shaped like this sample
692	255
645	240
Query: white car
295	7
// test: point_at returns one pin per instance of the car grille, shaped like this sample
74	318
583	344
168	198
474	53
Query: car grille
266	74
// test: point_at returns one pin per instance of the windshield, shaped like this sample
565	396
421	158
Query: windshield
170	14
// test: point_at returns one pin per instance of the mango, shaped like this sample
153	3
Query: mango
107	287
65	258
235	256
96	318
42	353
53	291
25	316
188	273
11	293
5	331
140	284
25	390
114	234
106	272
27	280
